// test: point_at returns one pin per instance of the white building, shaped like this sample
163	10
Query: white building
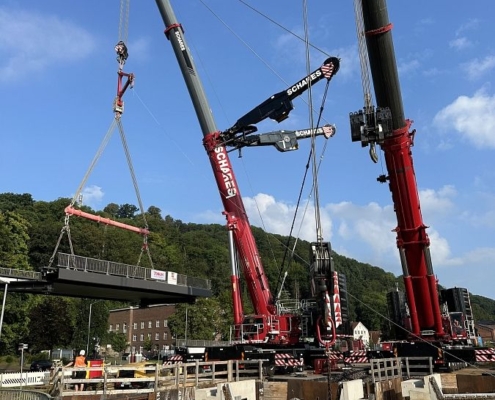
359	331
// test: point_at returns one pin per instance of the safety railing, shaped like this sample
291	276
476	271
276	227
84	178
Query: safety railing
18	379
19	274
112	380
88	264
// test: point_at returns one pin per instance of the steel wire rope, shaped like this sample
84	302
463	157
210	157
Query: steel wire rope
136	189
314	164
275	73
263	61
365	71
271	69
311	161
124	20
66	227
123	36
283	27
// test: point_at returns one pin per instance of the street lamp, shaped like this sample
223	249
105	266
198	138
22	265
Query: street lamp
89	324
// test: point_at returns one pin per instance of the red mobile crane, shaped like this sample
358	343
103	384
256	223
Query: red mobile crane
271	326
426	322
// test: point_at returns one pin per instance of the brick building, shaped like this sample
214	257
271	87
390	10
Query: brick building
139	324
486	329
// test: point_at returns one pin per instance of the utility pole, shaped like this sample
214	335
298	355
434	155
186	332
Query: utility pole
89	325
6	283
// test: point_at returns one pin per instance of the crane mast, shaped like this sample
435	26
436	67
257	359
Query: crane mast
388	127
256	280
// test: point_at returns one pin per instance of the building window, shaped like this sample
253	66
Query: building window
142	325
165	335
165	323
157	323
150	324
149	336
111	328
124	327
117	327
134	326
141	337
134	338
157	336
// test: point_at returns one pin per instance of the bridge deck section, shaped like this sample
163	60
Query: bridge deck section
85	277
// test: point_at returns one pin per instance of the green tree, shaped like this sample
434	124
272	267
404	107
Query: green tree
154	211
112	209
206	320
50	325
148	343
14	238
118	341
127	211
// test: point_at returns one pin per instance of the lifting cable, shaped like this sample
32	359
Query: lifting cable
364	64
312	160
122	55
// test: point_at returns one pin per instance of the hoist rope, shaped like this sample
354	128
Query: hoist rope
118	109
283	27
97	156
363	54
66	227
136	187
316	166
251	49
316	197
124	20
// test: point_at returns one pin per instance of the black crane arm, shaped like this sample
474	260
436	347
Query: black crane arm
278	106
282	140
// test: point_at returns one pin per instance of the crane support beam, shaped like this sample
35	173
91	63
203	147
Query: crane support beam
411	231
107	221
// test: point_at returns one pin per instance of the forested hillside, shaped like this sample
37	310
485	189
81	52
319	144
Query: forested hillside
30	230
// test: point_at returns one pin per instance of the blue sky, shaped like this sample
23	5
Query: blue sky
58	82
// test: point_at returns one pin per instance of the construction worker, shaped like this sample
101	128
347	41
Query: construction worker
79	362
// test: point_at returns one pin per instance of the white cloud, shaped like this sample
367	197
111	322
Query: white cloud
407	67
473	118
440	251
276	217
471	24
476	68
92	196
460	43
365	233
32	42
437	202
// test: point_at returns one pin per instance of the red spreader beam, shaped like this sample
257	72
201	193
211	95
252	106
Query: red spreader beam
72	211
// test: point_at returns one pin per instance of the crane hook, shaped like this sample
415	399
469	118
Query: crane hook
373	154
